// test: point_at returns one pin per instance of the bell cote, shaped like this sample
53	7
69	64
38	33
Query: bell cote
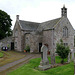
64	11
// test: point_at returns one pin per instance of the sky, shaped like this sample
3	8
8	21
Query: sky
38	10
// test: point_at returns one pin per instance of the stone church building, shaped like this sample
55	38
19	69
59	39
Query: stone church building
36	34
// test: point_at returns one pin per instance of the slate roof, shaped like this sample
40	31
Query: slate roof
26	25
48	24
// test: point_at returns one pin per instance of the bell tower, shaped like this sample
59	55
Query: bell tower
64	11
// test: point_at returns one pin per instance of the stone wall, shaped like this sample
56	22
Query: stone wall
17	35
47	38
58	33
27	39
35	39
6	42
51	37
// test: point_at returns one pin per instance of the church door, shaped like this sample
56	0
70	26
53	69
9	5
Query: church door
40	45
12	45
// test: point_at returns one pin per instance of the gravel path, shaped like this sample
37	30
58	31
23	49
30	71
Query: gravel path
25	60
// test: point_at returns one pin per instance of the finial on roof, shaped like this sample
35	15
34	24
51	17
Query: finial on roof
17	17
64	5
64	11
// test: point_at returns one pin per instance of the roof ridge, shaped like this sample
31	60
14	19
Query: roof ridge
48	24
28	21
58	22
27	25
52	20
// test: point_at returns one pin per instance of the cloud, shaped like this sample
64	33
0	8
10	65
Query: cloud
37	10
42	12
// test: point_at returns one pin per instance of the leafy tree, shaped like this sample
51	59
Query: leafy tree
62	50
5	24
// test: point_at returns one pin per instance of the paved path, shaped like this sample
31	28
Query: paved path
9	65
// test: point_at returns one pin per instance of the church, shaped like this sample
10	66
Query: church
36	34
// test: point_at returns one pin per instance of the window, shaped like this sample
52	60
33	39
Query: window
65	32
65	44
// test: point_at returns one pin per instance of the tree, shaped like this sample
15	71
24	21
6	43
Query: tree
5	25
62	51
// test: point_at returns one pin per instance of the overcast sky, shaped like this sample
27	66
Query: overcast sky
38	10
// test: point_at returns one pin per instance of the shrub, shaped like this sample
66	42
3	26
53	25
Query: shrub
27	48
62	51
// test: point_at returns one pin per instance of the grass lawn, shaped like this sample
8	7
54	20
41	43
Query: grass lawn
1	54
10	56
32	69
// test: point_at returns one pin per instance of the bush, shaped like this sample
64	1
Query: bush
62	51
27	48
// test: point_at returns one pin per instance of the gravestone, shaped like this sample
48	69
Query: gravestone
52	55
69	57
74	66
72	54
44	64
0	45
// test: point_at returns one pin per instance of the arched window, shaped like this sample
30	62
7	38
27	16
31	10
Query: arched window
65	32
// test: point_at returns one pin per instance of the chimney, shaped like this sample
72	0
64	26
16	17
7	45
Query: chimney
17	17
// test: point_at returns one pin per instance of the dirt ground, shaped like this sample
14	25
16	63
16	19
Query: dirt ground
10	56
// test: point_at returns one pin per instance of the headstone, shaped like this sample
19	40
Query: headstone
44	64
69	57
72	53
74	66
0	45
52	55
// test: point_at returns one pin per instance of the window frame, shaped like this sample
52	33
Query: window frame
65	44
65	32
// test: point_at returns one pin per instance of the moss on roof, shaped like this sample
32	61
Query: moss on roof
27	25
48	24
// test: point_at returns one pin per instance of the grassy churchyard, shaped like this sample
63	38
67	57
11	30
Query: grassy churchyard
1	54
9	56
32	68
